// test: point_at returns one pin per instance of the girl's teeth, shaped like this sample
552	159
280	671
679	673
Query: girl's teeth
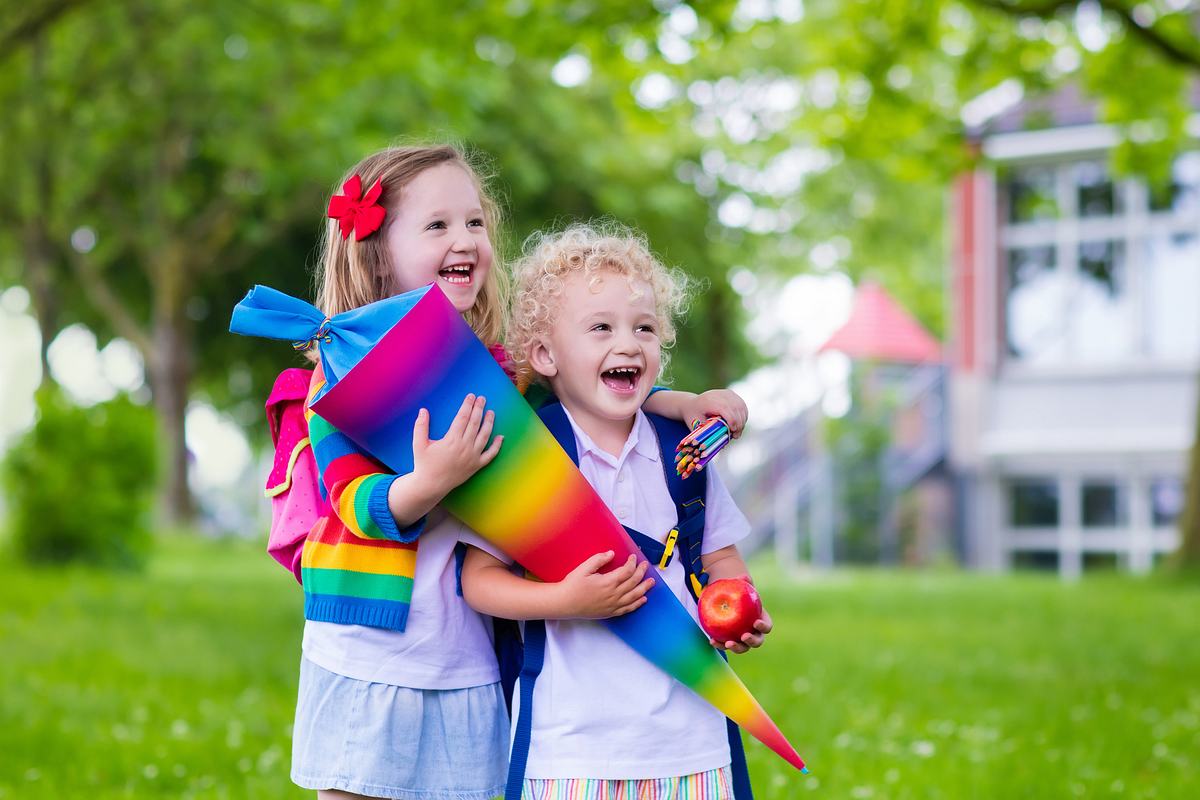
457	275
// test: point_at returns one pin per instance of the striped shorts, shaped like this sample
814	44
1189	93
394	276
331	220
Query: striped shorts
715	784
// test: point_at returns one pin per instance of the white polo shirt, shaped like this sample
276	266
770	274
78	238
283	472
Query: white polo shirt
599	709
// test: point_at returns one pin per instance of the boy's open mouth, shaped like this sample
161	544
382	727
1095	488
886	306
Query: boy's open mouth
623	380
457	274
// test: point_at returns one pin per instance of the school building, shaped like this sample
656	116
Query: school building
1074	346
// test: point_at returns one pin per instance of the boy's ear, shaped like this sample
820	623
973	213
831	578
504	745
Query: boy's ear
542	360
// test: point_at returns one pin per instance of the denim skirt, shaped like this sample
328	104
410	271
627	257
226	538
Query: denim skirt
390	741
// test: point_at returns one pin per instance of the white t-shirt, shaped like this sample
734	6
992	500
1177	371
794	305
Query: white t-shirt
599	709
445	645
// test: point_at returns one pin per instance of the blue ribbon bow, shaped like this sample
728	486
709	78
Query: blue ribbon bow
342	339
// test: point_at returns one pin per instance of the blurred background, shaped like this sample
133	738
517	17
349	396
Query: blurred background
951	259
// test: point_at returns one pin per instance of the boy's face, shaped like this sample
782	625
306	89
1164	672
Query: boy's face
602	353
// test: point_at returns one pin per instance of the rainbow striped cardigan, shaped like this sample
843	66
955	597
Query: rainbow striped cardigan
357	566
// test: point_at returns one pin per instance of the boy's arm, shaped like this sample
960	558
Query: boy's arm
490	588
691	408
727	562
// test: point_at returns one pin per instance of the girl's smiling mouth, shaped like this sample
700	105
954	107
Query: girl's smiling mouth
457	274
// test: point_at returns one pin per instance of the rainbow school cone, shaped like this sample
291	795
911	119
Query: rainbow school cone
387	360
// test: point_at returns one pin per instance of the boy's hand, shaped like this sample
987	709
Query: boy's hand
447	462
724	403
761	626
588	594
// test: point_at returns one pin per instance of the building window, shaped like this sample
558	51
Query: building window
1103	505
1036	292
1095	195
1094	269
1100	311
1033	503
1035	560
1182	194
1172	263
1166	501
1031	194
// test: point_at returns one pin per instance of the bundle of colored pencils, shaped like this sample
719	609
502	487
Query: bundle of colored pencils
700	446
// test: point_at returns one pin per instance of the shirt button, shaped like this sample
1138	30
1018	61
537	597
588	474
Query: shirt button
621	478
622	512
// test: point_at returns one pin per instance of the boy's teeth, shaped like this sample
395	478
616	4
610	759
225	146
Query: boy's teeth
622	378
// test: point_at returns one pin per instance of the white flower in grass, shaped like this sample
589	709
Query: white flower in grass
923	748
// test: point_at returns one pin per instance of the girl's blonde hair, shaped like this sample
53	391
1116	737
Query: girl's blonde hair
354	273
591	250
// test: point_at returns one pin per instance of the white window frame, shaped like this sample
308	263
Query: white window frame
1135	224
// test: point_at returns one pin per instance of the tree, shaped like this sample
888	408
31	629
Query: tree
165	159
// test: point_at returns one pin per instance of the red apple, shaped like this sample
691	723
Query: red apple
729	608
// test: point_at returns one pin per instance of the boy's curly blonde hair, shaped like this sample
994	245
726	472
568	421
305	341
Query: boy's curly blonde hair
592	250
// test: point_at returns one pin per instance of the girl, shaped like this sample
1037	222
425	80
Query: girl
593	313
399	688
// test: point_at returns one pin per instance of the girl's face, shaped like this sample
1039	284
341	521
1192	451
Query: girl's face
438	235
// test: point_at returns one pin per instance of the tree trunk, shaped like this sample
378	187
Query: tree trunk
1188	554
42	295
721	370
37	245
171	373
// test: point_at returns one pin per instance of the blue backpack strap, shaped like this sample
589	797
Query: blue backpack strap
689	497
535	654
554	417
737	766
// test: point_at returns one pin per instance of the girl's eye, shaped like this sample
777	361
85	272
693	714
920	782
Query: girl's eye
478	223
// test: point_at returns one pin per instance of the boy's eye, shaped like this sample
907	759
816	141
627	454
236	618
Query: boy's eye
601	326
436	224
646	328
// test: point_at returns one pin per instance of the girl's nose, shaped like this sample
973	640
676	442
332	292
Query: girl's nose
464	242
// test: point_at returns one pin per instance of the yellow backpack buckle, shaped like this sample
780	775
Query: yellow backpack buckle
668	548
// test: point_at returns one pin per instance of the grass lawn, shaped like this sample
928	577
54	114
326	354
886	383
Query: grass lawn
180	683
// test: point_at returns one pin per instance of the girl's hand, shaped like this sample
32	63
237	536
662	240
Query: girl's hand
724	403
586	593
447	462
761	627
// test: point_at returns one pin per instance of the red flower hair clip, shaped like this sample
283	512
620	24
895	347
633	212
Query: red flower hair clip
363	215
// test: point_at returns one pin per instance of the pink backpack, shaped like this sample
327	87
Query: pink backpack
296	502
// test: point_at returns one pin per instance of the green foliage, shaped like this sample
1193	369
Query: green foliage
81	483
198	143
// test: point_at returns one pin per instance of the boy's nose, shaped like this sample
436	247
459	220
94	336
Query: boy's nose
626	344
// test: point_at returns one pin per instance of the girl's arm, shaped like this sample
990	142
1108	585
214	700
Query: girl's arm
490	588
690	408
441	465
377	504
727	563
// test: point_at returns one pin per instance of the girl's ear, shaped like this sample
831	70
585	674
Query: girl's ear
542	360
